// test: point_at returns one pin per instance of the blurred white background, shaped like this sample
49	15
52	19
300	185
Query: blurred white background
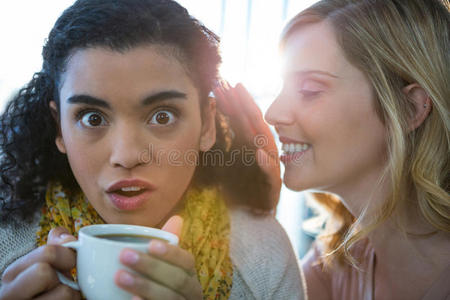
249	30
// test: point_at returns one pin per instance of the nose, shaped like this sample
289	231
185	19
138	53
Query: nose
127	147
280	111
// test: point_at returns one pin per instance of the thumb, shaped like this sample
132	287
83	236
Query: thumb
174	225
59	235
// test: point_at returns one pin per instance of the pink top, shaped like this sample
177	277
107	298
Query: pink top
347	282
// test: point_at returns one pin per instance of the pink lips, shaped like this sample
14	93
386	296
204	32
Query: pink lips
124	202
292	157
286	158
286	140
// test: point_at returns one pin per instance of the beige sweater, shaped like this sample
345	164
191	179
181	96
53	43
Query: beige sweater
265	266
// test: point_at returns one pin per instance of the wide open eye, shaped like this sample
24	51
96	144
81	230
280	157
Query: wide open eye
163	117
92	119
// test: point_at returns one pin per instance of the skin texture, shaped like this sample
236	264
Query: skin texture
115	146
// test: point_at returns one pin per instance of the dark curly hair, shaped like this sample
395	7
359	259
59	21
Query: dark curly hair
29	158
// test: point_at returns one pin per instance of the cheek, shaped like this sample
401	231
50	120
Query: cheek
85	157
352	135
86	166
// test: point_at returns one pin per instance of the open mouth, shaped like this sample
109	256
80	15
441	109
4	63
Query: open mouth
129	191
129	198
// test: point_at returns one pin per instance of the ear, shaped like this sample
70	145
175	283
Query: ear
59	141
422	104
208	135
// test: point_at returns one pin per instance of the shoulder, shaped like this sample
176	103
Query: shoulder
337	281
17	238
248	230
265	266
318	281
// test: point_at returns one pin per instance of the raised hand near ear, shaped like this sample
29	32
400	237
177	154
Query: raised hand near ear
239	106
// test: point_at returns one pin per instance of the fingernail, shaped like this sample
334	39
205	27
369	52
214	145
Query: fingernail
157	247
136	298
129	256
63	236
126	279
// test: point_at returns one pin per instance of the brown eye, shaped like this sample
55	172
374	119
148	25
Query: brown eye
92	119
163	117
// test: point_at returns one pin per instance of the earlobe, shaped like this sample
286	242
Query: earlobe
208	138
422	104
59	141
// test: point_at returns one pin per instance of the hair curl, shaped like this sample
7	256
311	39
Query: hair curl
29	157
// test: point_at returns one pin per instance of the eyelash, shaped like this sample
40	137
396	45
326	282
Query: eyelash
82	112
309	94
171	110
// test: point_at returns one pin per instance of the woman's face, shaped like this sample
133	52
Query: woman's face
131	128
325	116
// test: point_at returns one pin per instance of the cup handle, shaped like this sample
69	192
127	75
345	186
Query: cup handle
63	279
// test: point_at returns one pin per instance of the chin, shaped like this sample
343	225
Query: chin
294	184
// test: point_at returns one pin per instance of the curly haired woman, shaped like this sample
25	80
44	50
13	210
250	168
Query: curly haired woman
117	127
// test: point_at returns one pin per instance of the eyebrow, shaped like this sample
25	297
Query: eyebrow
309	72
164	95
160	96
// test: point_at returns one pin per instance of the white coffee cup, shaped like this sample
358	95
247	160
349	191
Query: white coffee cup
98	257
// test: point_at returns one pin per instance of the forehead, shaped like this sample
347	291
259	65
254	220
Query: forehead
313	47
106	72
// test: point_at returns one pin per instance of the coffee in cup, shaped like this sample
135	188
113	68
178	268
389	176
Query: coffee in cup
98	248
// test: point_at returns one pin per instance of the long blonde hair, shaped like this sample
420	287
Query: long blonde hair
396	43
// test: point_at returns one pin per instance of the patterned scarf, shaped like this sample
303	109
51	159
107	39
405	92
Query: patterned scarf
205	231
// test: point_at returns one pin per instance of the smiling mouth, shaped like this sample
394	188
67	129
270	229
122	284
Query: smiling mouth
292	148
293	152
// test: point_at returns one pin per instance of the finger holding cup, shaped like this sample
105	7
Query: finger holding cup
98	249
165	272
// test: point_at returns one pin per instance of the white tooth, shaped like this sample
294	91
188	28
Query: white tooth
291	148
298	148
285	148
305	147
130	189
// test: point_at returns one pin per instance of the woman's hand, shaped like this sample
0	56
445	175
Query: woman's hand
33	276
239	106
166	272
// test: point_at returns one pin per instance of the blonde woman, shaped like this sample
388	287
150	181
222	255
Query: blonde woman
364	114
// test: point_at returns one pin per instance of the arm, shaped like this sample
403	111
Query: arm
265	266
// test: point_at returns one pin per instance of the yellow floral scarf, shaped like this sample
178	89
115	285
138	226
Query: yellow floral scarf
205	232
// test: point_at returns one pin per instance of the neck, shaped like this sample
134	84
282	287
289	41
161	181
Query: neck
362	190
